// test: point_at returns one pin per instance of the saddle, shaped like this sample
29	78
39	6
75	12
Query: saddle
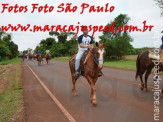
82	64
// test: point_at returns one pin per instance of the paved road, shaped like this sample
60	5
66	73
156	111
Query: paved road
118	95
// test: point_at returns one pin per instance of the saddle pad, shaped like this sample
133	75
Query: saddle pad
84	57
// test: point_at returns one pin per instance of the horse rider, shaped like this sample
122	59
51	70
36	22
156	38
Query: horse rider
23	56
39	52
84	42
47	52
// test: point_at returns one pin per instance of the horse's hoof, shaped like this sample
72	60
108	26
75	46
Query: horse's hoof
147	90
94	102
75	94
142	88
161	96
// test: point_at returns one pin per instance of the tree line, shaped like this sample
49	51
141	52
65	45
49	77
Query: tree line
62	47
118	45
8	49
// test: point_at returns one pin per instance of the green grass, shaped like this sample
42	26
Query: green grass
65	59
11	99
131	57
128	63
12	61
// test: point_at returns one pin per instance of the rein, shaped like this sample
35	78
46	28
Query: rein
97	62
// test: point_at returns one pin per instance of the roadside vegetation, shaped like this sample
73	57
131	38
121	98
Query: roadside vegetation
8	49
11	93
12	61
128	62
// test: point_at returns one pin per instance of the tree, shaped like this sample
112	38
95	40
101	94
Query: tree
25	51
122	19
72	46
4	52
14	49
62	36
43	43
160	4
2	33
49	42
8	49
118	45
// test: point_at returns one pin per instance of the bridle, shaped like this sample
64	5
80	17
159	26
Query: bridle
96	59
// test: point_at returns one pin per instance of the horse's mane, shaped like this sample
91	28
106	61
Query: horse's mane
92	50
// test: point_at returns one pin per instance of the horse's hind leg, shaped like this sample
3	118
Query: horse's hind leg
148	72
142	84
74	79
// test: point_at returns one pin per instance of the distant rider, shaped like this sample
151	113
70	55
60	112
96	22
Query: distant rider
48	52
39	52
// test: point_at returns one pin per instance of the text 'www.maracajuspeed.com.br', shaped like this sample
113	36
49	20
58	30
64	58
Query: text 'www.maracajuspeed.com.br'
76	28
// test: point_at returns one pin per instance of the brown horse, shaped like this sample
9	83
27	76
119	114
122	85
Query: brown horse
23	56
30	56
144	64
34	56
93	65
39	58
47	58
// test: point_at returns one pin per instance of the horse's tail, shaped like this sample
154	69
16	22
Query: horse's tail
138	67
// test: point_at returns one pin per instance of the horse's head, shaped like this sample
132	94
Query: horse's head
100	54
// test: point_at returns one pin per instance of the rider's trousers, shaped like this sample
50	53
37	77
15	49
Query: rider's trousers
78	58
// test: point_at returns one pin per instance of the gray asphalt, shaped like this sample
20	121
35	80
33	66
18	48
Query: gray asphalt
119	96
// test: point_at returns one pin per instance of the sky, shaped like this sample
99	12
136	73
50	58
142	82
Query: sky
137	10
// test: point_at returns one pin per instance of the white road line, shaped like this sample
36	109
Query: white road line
66	113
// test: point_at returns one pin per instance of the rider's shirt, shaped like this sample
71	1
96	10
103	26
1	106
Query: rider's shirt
85	41
47	51
39	52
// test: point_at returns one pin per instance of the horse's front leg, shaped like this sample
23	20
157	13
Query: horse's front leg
47	61
93	90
